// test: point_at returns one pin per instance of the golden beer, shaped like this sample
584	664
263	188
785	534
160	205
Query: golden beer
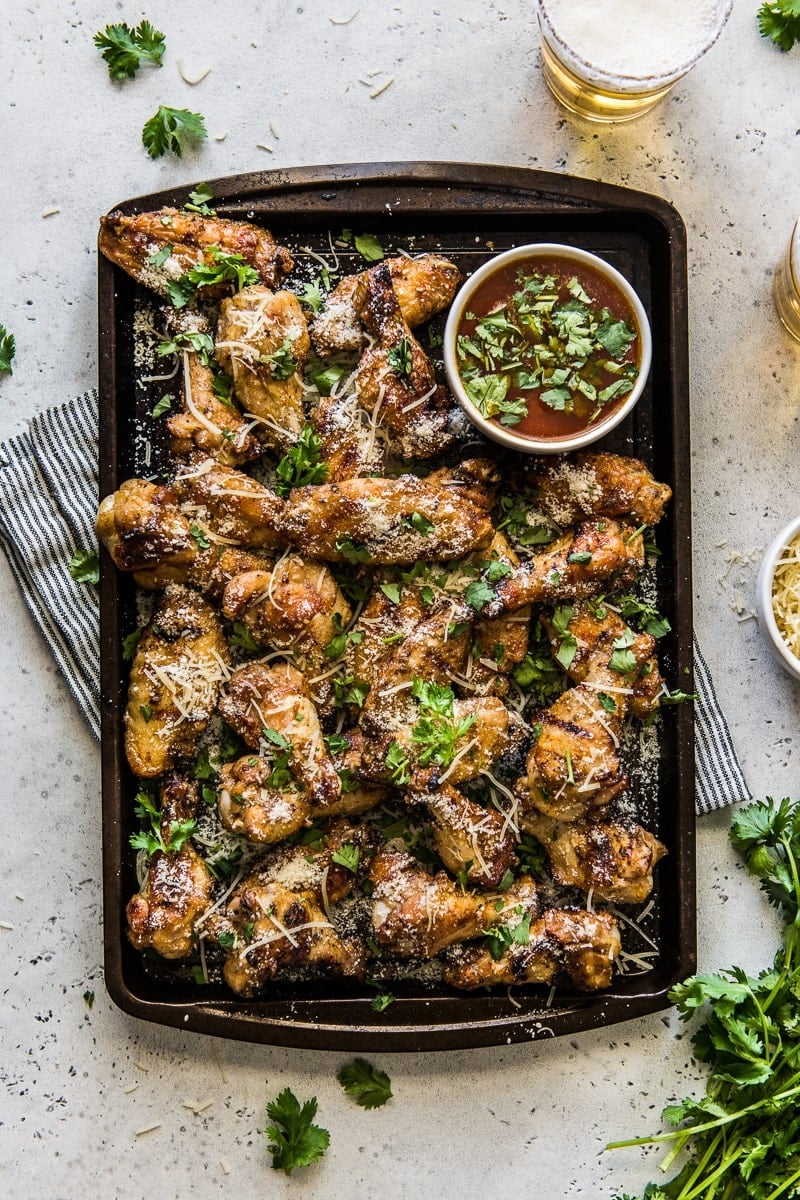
613	60
786	285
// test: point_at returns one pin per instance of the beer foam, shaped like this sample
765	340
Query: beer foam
629	42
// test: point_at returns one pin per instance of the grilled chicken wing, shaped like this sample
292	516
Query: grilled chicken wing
472	841
589	485
263	342
400	520
181	660
499	643
415	914
132	242
238	509
276	919
250	803
350	445
296	607
572	942
205	422
423	286
277	699
141	526
613	860
573	767
357	795
276	929
597	555
634	682
144	530
178	887
396	381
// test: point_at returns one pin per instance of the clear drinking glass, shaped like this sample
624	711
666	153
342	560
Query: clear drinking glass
612	60
786	285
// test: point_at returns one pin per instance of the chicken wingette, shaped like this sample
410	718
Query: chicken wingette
262	342
180	663
573	487
159	248
423	287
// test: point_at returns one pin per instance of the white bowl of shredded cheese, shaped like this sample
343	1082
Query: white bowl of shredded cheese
778	597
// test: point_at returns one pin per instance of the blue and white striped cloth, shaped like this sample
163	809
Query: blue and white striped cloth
48	502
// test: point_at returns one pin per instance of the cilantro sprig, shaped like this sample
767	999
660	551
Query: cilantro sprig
436	731
293	1140
172	129
779	20
369	1086
302	464
8	348
125	49
151	838
84	566
743	1136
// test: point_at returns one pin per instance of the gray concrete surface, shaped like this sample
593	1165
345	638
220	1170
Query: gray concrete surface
510	1122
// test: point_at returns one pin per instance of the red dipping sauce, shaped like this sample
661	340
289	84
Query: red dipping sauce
548	348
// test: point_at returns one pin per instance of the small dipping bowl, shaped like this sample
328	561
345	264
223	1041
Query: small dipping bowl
568	255
764	603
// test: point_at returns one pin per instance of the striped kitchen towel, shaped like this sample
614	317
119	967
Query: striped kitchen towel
48	502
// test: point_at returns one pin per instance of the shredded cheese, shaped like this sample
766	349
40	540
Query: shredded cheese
786	596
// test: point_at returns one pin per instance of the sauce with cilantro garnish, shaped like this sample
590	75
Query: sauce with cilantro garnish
548	348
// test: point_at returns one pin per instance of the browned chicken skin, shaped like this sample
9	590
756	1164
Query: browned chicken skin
251	805
276	919
563	572
350	448
416	914
374	519
423	287
472	841
574	487
615	861
276	698
132	241
296	607
236	507
178	887
263	342
575	943
181	660
396	382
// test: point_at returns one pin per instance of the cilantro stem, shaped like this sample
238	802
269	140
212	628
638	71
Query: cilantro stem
783	1187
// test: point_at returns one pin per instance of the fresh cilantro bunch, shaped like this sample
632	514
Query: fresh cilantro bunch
780	21
743	1136
124	49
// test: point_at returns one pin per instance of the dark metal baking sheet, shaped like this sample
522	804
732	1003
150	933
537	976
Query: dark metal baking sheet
467	212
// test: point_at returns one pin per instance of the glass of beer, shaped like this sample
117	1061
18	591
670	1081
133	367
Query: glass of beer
786	285
612	60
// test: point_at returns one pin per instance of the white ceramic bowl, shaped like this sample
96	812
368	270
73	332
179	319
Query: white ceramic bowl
504	434
765	612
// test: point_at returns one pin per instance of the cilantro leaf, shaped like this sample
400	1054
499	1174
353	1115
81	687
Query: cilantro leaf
129	645
198	201
293	1140
369	1087
347	856
399	358
478	594
282	363
368	247
397	763
615	336
242	637
302	464
780	21
124	49
84	566
164	405
8	348
171	129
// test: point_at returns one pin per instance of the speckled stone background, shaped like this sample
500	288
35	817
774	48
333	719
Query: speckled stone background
511	1122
